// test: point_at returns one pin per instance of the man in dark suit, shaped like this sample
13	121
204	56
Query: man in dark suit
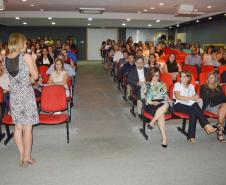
137	77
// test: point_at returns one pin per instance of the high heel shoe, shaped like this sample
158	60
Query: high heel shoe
164	145
192	140
210	131
30	161
150	127
220	134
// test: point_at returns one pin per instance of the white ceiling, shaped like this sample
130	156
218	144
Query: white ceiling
65	13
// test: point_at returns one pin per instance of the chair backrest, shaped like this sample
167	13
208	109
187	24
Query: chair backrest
224	88
163	58
203	78
192	69
42	70
53	98
207	68
1	95
222	69
167	79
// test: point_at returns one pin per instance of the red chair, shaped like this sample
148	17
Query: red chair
176	52
70	98
167	79
203	78
207	68
42	70
2	135
163	58
224	88
5	120
146	118
192	69
53	99
221	69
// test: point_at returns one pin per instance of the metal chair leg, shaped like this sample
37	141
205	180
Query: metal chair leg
182	129
143	130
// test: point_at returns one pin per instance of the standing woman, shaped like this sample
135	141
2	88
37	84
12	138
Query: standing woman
22	99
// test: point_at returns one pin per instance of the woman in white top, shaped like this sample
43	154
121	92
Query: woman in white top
207	57
59	76
4	83
186	102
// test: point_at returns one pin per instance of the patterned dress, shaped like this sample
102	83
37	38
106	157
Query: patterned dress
22	98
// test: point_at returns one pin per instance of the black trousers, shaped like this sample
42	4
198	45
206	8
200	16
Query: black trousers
195	113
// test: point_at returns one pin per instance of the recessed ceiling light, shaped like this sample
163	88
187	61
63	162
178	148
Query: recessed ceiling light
24	23
123	24
139	12
89	24
161	4
53	23
197	20
209	6
152	8
225	14
32	5
178	25
145	10
195	10
158	20
128	19
90	19
210	18
50	18
170	27
17	18
23	0
149	25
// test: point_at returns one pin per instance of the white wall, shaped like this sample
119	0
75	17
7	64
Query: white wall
95	38
145	34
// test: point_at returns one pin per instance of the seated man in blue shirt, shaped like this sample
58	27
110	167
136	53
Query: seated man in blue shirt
67	67
194	59
70	54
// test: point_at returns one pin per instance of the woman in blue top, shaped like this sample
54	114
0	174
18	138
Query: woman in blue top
154	93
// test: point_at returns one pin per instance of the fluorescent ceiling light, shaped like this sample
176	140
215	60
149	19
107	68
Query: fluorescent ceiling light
123	24
152	8
24	23
32	5
158	20
149	25
92	10
90	19
178	25
209	6
128	19
50	18
17	18
197	20
210	18
161	4
53	23
145	10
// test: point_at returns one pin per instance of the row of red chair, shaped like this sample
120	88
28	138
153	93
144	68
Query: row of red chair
53	99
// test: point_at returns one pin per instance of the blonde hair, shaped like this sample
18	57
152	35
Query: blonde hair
16	42
216	80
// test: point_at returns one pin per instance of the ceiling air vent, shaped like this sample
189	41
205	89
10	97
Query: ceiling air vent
92	10
187	10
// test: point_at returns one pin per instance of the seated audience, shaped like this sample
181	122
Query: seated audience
70	54
153	62
214	101
45	58
137	77
213	59
207	57
172	67
194	59
59	76
67	67
187	49
4	83
153	92
186	102
220	53
223	59
67	59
